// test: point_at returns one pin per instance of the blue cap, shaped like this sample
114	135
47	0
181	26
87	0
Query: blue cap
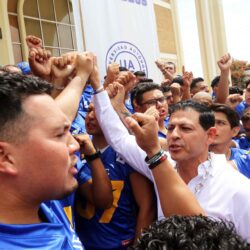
25	67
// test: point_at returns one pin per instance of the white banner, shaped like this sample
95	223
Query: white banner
122	31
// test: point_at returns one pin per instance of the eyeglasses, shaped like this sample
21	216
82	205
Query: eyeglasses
153	102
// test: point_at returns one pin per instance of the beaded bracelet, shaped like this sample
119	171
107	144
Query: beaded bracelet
154	158
159	161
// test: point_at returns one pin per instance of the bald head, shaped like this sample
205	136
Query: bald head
203	97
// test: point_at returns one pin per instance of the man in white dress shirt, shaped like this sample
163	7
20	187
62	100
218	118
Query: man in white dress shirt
221	191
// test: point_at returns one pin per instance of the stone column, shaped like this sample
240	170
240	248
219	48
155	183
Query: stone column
212	36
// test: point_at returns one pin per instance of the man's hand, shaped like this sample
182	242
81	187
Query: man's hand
187	78
163	68
145	130
116	93
160	65
127	79
112	74
175	89
234	100
153	111
40	62
62	67
225	62
33	42
86	145
84	65
94	76
166	82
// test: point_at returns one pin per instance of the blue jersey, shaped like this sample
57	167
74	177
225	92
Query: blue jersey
78	125
240	108
129	106
161	135
243	143
86	99
113	228
69	201
55	233
242	160
166	121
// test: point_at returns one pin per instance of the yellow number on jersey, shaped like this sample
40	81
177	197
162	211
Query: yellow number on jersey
107	215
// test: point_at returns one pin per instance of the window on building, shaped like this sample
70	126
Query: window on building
15	35
50	20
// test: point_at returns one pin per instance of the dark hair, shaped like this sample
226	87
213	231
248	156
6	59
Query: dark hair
142	87
195	81
14	89
235	90
215	81
206	116
165	88
246	115
178	79
123	69
140	73
146	80
247	83
190	233
232	116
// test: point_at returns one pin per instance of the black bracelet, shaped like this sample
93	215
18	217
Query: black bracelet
155	157
90	158
158	162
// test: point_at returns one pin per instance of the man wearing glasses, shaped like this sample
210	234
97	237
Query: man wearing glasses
148	95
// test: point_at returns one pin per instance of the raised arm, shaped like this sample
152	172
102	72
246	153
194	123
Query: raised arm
175	196
187	80
68	100
99	190
33	42
116	133
40	63
166	73
143	191
224	64
176	91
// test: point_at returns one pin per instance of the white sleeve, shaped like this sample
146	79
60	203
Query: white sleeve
117	135
241	207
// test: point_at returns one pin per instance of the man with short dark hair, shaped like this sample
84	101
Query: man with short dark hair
198	85
246	103
227	125
37	164
214	85
147	95
220	190
244	141
140	76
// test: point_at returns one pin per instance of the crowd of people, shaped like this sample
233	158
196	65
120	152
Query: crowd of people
128	164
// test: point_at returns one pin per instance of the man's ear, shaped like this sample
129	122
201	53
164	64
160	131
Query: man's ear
235	131
211	133
7	162
137	108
